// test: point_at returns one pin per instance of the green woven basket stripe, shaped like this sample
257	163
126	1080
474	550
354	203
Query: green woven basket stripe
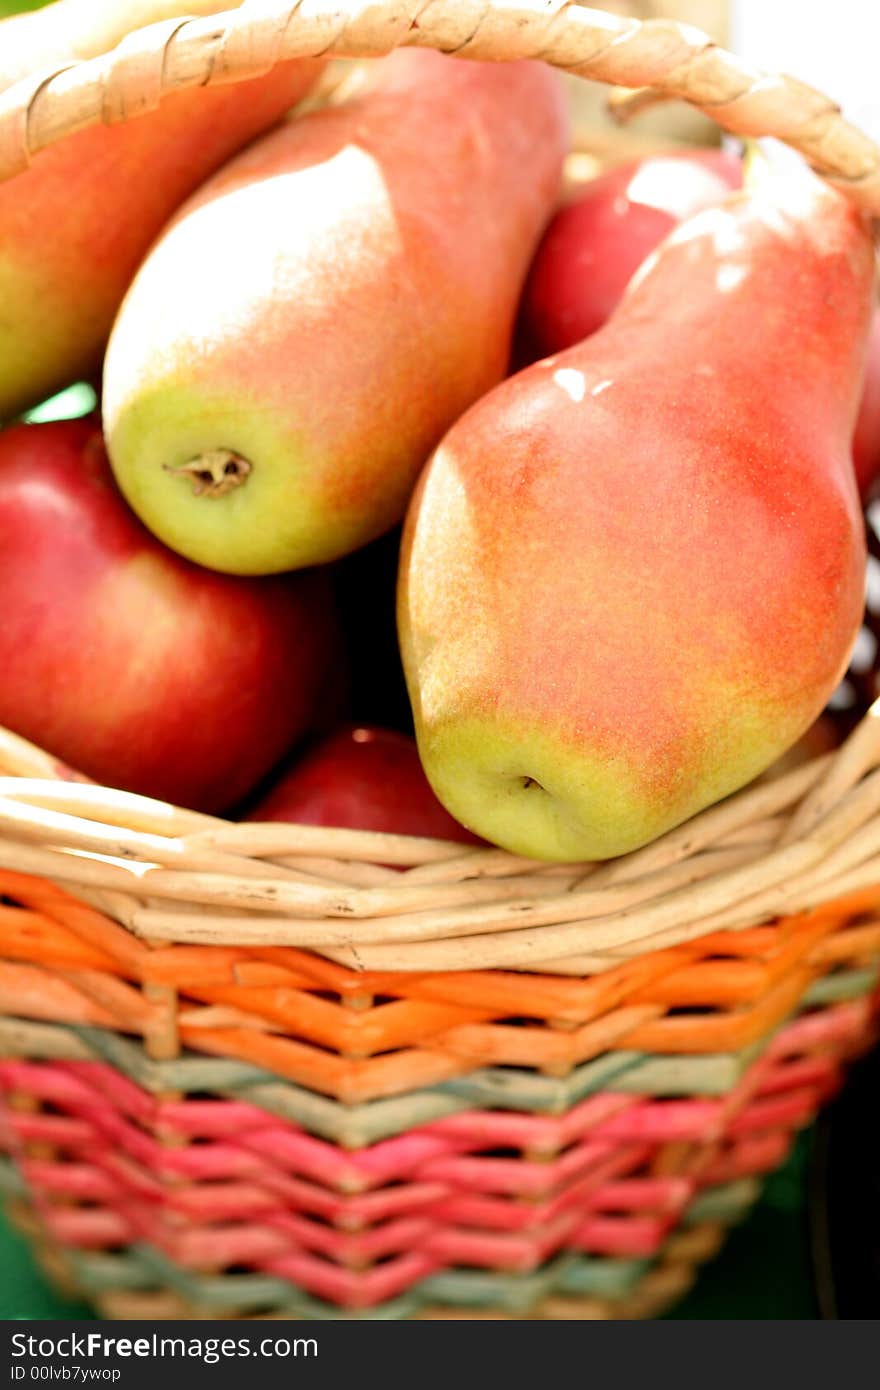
143	1268
245	1291
11	1182
726	1204
469	1288
843	985
697	1075
510	1088
355	1126
99	1274
499	1088
187	1073
607	1278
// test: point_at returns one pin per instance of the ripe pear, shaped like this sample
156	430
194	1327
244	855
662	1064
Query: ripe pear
76	224
633	574
317	316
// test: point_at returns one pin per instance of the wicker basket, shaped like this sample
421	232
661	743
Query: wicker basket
253	1070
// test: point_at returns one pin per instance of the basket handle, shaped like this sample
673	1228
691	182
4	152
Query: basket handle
673	59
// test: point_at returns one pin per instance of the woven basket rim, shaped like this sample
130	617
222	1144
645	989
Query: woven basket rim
776	848
652	59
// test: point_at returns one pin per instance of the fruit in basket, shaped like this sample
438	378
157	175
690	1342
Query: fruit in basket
74	227
632	575
596	242
866	438
318	314
132	665
599	238
363	779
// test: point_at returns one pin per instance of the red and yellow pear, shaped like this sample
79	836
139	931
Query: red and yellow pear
323	309
633	574
76	224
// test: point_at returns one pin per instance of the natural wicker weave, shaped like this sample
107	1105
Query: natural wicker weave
671	59
258	1070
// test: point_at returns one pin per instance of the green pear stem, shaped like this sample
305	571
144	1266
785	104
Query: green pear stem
757	169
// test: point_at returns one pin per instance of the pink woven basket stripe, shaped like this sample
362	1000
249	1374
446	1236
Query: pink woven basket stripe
507	1129
58	1130
381	1205
94	1114
358	1209
122	1093
788	1111
591	1114
843	1023
497	1211
67	1179
130	1176
388	1238
398	1158
513	1175
86	1229
54	1083
519	1254
818	1071
588	1156
219	1161
222	1202
212	1119
203	1161
219	1248
354	1290
500	1214
623	1238
642	1194
151	1225
314	1158
758	1154
112	1130
288	1190
671	1121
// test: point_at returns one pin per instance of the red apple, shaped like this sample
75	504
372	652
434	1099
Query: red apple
866	440
362	779
133	665
596	243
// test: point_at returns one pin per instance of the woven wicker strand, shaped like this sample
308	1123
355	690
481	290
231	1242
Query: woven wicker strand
177	876
672	59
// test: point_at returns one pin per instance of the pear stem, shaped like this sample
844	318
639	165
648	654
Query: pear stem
213	474
757	169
